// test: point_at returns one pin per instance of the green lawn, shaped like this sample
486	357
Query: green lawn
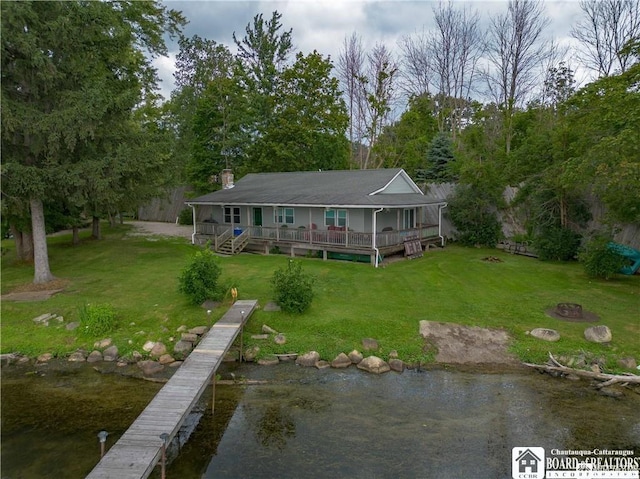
138	277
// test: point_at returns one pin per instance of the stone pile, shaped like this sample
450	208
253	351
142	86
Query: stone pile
156	354
372	363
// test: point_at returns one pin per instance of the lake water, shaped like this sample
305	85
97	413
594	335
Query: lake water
317	423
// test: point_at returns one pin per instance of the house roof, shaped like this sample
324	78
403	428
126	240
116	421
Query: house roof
390	187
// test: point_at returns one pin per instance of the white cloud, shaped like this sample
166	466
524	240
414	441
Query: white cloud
322	25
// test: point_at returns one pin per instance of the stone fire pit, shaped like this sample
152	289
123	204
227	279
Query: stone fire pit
572	312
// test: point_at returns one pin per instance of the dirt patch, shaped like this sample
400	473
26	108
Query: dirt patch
36	292
468	345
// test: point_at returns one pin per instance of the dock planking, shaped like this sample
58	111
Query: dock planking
136	453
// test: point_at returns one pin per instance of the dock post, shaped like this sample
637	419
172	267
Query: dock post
164	437
213	393
102	436
241	335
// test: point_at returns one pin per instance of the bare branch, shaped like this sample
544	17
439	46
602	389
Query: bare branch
603	31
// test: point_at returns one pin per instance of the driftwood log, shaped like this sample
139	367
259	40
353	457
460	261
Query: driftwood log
608	379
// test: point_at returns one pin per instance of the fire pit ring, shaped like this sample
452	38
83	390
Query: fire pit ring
571	312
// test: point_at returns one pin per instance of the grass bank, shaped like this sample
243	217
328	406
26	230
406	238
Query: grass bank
137	276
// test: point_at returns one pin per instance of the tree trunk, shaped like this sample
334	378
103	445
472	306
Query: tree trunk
42	273
95	228
76	236
24	243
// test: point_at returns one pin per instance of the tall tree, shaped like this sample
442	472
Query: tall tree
71	72
405	143
199	63
605	116
263	54
379	89
456	48
441	158
350	68
417	64
516	52
603	31
308	131
222	135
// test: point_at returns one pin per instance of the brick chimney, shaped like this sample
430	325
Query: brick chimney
226	177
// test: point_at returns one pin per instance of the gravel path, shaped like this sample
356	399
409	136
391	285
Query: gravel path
146	228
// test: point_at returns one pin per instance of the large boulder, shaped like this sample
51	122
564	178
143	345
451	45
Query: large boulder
374	364
77	357
627	363
369	344
183	347
396	364
199	330
341	361
268	330
598	334
94	357
250	354
104	343
191	337
355	356
308	359
270	360
111	353
158	350
149	368
45	357
166	359
545	334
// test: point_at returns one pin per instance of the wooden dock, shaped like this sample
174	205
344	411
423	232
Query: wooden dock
137	452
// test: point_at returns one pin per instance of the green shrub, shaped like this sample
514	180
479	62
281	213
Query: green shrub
293	288
185	217
599	260
199	279
97	319
474	215
557	243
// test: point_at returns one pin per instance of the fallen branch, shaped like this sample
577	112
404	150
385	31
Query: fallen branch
608	378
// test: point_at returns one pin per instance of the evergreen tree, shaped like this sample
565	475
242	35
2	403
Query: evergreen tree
440	158
72	74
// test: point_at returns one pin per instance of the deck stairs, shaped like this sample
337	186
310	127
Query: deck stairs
233	245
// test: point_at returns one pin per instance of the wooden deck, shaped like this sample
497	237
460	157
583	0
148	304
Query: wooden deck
137	452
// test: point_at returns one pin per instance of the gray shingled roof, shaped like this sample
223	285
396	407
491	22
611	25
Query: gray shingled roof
315	188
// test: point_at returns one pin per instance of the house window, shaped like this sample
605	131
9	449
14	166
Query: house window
284	216
408	219
335	218
232	214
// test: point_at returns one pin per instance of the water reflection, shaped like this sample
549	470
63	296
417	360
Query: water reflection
317	423
432	424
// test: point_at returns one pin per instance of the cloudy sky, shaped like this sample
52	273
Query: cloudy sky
323	24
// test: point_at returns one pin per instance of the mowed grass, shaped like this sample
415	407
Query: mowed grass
138	277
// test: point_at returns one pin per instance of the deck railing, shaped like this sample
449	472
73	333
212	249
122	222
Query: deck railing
336	238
